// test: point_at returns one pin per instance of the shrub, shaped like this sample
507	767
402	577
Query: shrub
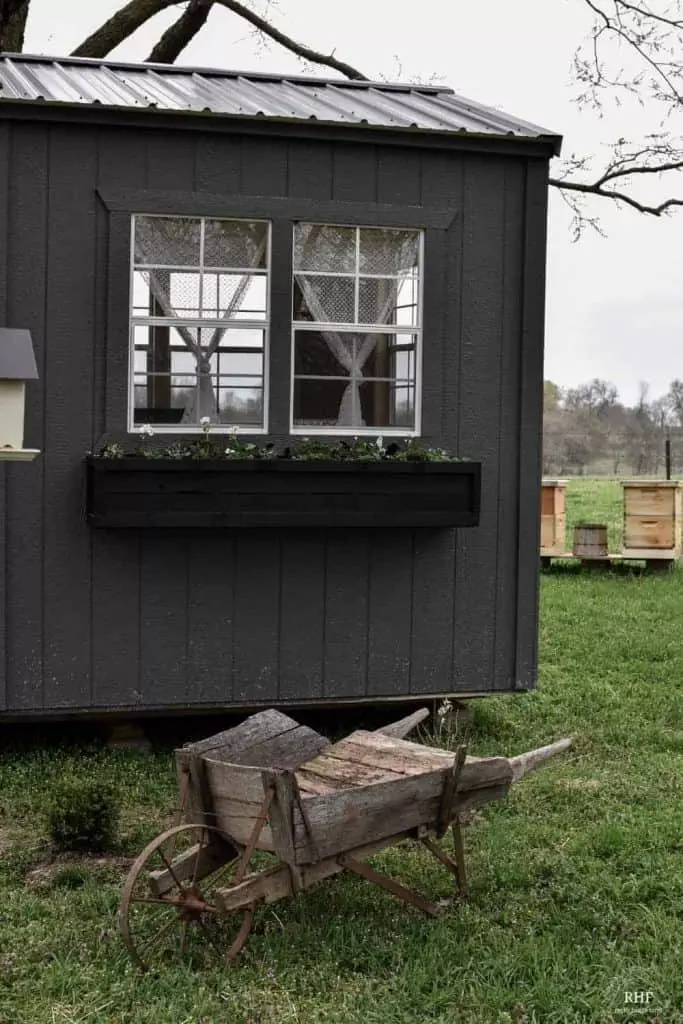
83	816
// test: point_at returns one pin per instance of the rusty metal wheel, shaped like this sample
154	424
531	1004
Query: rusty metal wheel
168	908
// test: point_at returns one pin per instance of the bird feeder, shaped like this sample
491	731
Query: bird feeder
17	365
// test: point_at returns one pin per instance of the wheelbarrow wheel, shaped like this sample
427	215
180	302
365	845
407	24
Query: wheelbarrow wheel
168	908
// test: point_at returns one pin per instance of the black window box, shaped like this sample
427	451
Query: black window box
139	492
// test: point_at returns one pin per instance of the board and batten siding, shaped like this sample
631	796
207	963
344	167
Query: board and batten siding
120	619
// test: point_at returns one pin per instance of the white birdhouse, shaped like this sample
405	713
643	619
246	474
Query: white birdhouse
17	365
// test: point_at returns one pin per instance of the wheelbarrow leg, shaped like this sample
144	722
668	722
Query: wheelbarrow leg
384	882
459	851
457	866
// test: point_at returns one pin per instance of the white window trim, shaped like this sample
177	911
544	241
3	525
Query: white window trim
264	325
416	330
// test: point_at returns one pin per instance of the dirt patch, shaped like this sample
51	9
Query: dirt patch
5	841
42	875
582	784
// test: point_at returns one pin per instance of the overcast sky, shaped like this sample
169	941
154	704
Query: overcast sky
615	304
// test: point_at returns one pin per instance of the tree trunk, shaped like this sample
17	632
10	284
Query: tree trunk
13	15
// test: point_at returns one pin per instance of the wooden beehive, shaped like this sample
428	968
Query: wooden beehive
652	518
553	517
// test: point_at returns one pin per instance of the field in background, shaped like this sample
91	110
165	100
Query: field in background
596	501
576	880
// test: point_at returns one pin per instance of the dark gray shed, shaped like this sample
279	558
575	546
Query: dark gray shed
140	208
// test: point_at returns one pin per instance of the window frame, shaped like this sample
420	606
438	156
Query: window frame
198	323
416	330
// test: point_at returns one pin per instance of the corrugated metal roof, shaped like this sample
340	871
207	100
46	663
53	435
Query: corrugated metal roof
71	80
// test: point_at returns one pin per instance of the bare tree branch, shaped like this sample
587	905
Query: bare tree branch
13	15
176	38
596	189
120	26
328	60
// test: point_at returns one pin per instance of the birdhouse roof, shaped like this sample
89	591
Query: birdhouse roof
17	361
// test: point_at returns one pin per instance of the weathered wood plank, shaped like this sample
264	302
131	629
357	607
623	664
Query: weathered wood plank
522	764
477	771
341	821
232	782
240	827
403	726
286	751
255	729
281	820
275	884
339	773
353	817
314	785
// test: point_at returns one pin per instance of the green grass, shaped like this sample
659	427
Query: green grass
576	880
596	501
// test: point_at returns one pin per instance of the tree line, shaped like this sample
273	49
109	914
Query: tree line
589	430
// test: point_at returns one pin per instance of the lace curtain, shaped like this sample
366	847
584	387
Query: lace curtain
351	350
203	402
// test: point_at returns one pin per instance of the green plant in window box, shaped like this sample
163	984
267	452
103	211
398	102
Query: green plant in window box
356	449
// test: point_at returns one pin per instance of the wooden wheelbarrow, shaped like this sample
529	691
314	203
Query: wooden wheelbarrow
302	809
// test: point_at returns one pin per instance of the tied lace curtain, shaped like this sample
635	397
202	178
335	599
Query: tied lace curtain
204	402
351	350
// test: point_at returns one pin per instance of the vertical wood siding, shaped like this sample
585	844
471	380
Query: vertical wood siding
120	619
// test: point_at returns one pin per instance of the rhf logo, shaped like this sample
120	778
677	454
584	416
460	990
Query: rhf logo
639	998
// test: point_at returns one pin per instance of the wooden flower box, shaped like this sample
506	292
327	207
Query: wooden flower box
140	492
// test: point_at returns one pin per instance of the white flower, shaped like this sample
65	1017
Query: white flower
205	421
380	443
229	450
147	430
444	707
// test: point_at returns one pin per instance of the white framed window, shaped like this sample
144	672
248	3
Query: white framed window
356	330
199	323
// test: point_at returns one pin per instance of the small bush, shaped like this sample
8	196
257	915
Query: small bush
83	817
71	877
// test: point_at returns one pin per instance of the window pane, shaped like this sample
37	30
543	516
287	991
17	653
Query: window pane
235	243
403	413
167	241
328	300
323	354
324	247
242	406
406	306
317	403
163	400
234	296
167	293
387	251
377	300
235	364
220	339
383	405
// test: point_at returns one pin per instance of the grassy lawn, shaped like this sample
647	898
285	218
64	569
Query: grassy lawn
576	880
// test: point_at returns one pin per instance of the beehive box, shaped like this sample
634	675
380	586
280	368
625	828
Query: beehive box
553	522
652	518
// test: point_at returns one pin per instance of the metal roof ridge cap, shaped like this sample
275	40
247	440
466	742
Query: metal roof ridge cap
349	83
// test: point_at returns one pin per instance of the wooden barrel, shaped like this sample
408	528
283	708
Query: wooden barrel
590	541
